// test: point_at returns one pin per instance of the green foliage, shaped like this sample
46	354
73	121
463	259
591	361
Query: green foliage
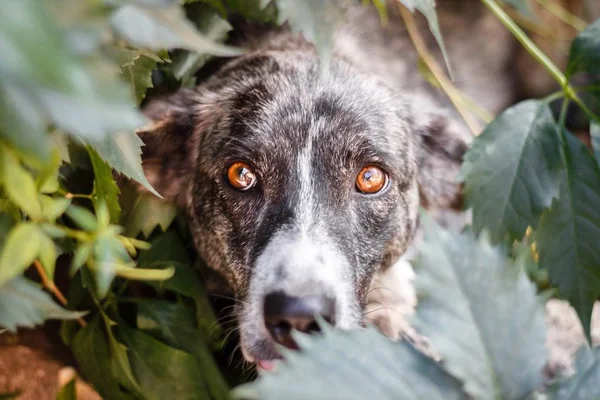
526	169
334	366
484	291
585	51
467	289
23	304
512	170
568	231
72	76
584	384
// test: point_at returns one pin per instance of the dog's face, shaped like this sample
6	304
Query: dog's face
298	184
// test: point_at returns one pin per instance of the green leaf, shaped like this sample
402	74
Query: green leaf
136	67
583	385
168	250
22	123
353	365
585	51
317	20
68	391
119	360
122	151
80	256
81	99
92	352
23	303
173	323
47	178
143	212
108	255
21	248
105	187
427	8
48	254
511	172
92	117
159	28
185	64
568	233
52	208
595	135
82	217
466	290
149	358
19	184
144	274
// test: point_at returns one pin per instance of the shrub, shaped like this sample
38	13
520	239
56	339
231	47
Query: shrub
72	76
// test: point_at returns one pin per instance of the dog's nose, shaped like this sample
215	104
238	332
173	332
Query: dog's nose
284	313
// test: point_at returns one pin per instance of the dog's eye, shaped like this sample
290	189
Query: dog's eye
371	179
240	176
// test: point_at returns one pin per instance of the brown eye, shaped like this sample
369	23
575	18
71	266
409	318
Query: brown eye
240	176
371	179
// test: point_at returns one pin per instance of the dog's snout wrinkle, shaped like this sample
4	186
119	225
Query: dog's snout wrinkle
285	313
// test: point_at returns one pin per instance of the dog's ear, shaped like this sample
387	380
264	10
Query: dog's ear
168	152
442	143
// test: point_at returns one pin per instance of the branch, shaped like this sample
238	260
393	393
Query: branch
49	284
451	91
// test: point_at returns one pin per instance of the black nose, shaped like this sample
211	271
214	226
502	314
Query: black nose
284	313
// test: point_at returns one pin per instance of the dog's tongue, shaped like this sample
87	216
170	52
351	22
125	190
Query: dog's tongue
266	365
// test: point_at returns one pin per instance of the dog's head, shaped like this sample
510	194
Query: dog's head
298	184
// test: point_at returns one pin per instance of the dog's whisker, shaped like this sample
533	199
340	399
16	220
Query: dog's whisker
385	288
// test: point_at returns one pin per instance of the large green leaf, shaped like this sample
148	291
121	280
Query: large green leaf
585	51
162	371
174	323
164	28
105	187
119	359
54	82
568	233
93	355
467	289
92	116
168	249
317	20
511	172
24	304
583	385
22	123
122	150
354	365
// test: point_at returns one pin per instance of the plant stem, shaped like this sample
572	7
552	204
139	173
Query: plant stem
74	234
451	91
528	44
563	14
49	284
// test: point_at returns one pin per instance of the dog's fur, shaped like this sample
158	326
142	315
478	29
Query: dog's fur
307	131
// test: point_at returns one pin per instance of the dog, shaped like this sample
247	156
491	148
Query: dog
302	182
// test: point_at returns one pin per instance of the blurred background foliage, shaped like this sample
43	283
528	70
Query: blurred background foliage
73	75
